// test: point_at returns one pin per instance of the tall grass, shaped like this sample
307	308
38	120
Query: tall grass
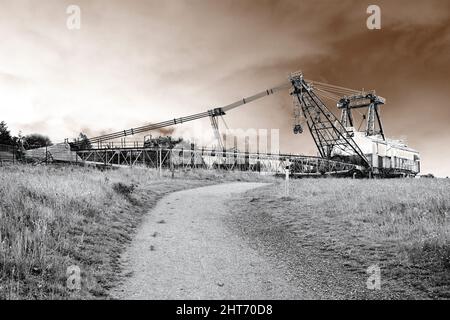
48	218
413	213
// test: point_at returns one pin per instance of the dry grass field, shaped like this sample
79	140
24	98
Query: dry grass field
53	217
347	225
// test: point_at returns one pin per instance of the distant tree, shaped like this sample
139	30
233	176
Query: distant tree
18	140
36	140
83	141
18	143
5	135
166	142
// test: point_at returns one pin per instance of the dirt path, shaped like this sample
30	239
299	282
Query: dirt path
185	251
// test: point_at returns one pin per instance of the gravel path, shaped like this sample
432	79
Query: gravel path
184	250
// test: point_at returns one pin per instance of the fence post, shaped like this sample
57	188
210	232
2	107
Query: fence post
287	182
192	154
160	162
172	167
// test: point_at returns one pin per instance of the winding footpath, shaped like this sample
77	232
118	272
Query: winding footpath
184	250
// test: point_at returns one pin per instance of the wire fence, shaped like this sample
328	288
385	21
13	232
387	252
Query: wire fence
8	154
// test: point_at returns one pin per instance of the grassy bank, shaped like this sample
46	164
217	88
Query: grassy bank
55	217
401	225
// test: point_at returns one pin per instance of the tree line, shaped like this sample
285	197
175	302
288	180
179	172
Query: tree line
34	140
30	141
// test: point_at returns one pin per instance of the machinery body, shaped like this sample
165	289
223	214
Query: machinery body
338	140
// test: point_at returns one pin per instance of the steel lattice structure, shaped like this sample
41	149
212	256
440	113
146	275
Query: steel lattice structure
335	138
328	132
175	159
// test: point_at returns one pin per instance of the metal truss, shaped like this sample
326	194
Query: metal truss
175	159
329	135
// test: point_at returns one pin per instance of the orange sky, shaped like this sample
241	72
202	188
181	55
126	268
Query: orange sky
135	62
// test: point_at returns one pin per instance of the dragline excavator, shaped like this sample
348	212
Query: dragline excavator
336	139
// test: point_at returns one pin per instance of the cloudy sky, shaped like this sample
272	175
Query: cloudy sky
136	62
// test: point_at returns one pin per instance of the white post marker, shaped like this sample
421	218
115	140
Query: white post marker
286	182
